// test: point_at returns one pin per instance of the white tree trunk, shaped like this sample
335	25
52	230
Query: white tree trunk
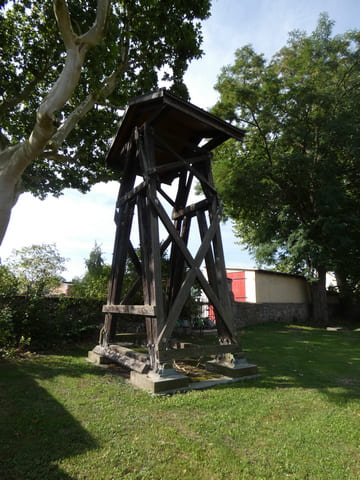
9	193
15	159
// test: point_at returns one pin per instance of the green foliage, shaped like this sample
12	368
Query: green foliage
42	322
63	320
9	284
37	268
147	41
95	282
293	186
7	334
34	319
8	292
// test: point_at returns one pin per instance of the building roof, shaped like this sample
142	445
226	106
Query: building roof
183	126
259	270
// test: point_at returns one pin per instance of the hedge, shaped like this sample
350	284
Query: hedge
46	321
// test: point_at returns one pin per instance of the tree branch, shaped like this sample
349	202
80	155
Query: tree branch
64	23
61	91
6	105
106	88
97	31
262	135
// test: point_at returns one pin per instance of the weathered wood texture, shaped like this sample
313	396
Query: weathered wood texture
148	310
125	358
198	351
159	140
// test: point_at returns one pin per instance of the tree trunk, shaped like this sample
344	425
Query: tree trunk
15	158
319	299
345	289
12	165
8	198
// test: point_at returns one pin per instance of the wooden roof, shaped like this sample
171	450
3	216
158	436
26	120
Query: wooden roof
182	125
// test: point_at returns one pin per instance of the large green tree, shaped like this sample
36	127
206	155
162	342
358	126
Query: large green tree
37	268
293	186
94	283
68	69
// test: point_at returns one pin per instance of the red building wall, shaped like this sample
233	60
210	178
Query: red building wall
238	285
238	290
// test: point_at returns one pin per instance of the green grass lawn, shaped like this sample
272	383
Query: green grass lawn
63	418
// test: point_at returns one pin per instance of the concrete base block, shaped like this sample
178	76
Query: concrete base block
240	369
98	359
155	383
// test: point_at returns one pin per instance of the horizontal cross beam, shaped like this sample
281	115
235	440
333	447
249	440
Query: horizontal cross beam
198	351
147	310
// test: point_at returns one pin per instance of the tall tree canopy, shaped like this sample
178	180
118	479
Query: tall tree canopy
67	70
293	187
37	268
95	282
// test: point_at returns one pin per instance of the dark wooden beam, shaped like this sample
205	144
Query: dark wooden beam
191	210
197	351
183	161
193	273
145	310
124	217
130	195
168	167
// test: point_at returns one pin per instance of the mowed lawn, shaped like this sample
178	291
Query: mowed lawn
64	418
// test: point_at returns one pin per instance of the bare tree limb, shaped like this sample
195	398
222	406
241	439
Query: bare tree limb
97	31
14	159
69	77
64	23
106	88
45	125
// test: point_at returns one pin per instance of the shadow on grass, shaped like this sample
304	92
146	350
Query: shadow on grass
291	356
36	431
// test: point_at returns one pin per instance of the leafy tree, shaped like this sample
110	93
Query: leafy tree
9	284
8	291
37	268
94	283
68	70
293	186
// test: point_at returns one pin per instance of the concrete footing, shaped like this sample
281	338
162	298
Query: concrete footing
159	383
98	359
166	379
236	369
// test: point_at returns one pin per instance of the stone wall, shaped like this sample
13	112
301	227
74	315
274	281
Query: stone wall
255	313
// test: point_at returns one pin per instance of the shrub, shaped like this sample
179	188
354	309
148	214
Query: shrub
48	321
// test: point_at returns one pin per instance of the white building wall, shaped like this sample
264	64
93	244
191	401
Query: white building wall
280	288
250	286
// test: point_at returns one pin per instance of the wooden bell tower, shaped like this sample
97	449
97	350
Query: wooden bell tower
161	141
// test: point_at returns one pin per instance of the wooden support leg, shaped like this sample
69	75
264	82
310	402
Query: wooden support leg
123	218
215	262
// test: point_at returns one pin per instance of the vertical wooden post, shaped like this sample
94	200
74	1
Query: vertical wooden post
123	219
182	226
214	260
150	247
